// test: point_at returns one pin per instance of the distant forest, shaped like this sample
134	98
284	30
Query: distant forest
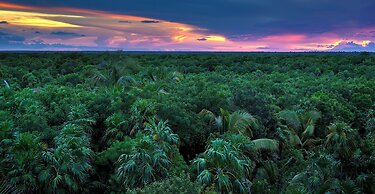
117	122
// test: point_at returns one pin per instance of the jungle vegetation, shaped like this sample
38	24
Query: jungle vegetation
117	122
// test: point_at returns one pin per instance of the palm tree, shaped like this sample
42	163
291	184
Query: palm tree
99	78
151	156
6	141
112	74
239	122
116	128
141	111
242	123
23	162
5	136
79	115
155	74
340	137
318	173
224	166
299	128
67	167
145	163
161	132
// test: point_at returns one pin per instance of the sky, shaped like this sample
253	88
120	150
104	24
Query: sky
190	25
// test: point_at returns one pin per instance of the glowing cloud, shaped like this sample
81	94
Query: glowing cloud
101	29
365	43
97	30
36	19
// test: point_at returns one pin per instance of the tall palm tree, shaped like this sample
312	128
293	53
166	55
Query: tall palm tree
116	128
318	173
23	160
145	163
161	132
141	111
340	137
99	78
239	122
67	167
224	166
299	128
79	115
243	123
112	74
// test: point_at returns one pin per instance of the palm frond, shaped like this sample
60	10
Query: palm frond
205	177
6	188
266	144
291	118
242	122
127	81
223	182
309	131
209	114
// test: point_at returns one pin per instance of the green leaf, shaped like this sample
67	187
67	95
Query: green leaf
265	144
205	177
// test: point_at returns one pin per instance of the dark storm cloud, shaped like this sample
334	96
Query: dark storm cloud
61	33
150	21
125	22
235	17
4	22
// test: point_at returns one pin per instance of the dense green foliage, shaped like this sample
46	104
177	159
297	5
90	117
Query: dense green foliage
187	123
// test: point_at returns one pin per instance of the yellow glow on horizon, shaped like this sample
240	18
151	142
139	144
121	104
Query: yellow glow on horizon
36	19
216	38
365	43
337	42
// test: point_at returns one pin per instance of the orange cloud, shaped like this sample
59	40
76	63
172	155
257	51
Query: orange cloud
14	6
104	25
119	31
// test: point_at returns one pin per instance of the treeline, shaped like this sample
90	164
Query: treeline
187	123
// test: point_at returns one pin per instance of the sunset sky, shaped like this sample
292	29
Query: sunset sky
191	25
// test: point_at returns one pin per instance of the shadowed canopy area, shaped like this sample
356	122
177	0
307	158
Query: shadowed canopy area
168	25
